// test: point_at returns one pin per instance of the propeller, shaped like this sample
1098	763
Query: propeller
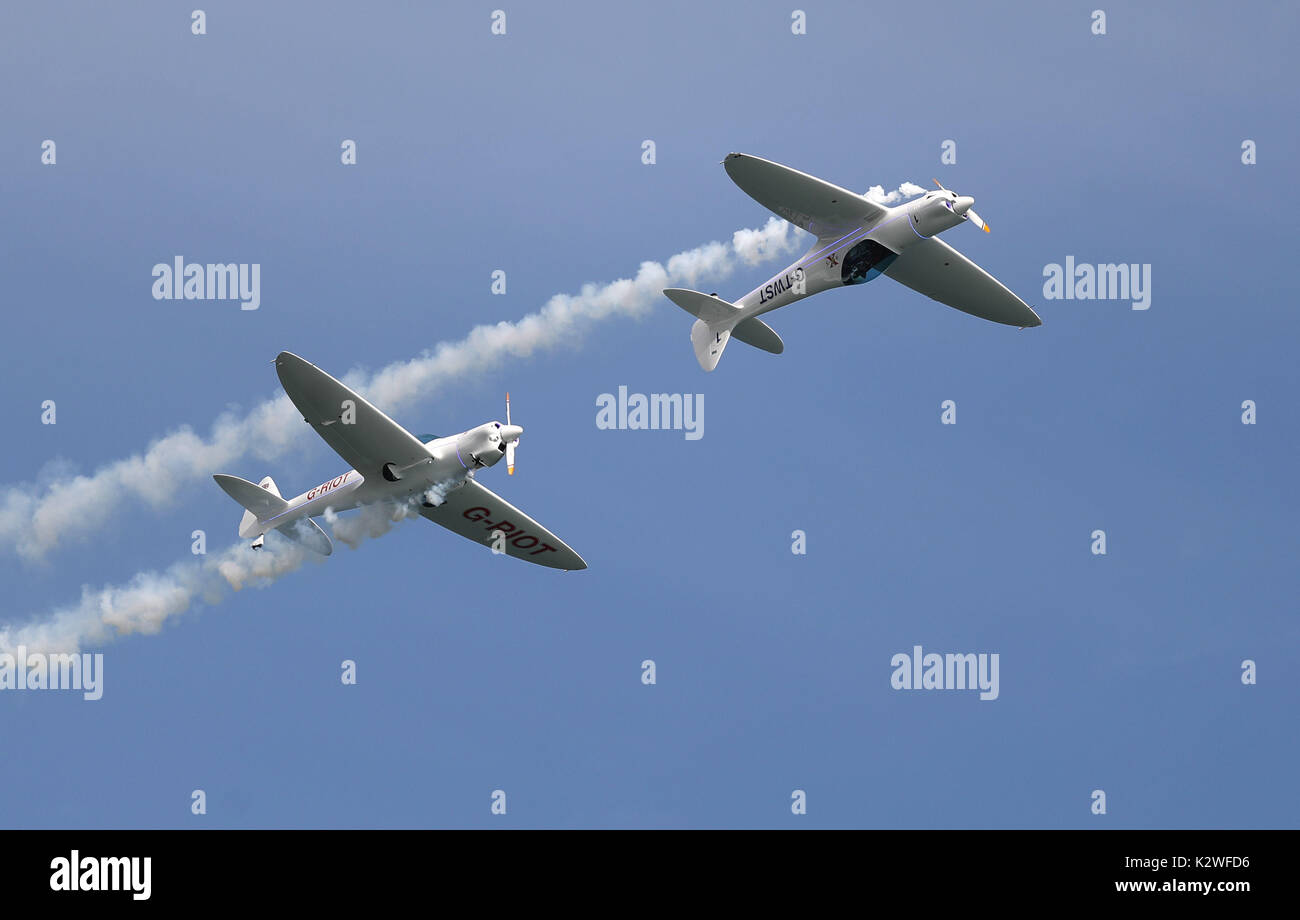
510	446
969	213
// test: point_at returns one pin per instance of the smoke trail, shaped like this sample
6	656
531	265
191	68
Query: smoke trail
35	518
370	522
150	599
76	506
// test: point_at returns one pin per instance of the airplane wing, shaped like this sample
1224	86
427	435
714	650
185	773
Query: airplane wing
933	268
805	201
368	441
475	512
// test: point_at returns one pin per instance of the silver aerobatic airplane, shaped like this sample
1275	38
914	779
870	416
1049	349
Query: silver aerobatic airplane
857	240
389	464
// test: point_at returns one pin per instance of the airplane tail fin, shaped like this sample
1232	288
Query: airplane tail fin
717	322
262	501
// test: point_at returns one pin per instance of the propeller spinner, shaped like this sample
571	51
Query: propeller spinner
962	207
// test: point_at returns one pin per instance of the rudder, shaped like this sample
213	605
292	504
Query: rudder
716	322
709	343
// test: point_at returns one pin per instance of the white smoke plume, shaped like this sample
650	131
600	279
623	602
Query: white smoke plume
369	522
35	518
150	599
878	194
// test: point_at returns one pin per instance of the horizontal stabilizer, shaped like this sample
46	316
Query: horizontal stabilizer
754	331
708	307
309	534
717	322
262	502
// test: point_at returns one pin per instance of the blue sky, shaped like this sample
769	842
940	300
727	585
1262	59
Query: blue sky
523	153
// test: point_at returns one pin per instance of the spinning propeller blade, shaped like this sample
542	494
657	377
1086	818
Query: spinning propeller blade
510	447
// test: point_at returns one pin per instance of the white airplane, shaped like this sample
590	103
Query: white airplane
389	464
857	240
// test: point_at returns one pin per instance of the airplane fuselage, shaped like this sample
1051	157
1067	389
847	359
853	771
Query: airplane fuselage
450	462
853	257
